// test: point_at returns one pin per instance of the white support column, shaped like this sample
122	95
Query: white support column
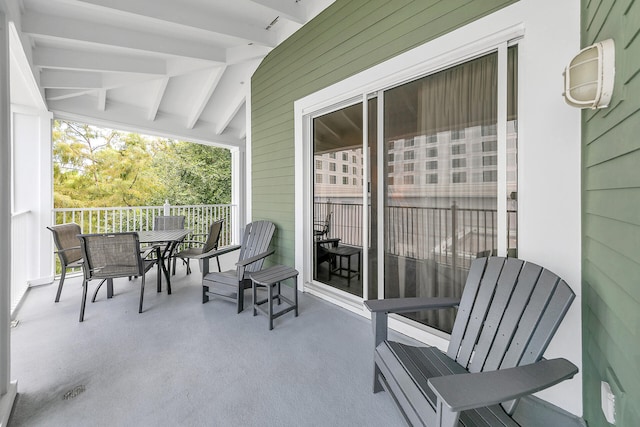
7	388
247	163
238	194
33	188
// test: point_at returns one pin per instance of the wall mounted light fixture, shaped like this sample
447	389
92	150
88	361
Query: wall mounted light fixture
589	77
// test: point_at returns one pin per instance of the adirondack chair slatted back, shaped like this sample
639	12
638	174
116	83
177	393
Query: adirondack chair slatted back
507	316
256	240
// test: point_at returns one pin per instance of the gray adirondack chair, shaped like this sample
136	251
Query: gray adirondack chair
508	313
67	248
230	284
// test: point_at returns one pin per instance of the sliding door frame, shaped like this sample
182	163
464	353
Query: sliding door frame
421	61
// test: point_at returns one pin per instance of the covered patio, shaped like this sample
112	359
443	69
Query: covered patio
184	363
297	90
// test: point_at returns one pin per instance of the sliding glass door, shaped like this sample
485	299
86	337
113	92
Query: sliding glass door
442	183
341	160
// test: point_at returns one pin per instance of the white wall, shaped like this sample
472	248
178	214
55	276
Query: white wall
548	156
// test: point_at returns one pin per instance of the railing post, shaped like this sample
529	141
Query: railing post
166	207
454	238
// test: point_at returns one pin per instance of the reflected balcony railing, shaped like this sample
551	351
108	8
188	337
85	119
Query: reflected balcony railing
451	236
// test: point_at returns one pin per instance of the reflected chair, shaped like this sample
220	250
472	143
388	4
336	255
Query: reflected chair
321	228
67	248
230	285
109	256
323	252
202	251
169	222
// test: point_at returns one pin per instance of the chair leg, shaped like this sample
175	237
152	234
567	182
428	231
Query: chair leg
187	261
84	299
62	275
205	297
95	294
240	296
218	260
159	277
141	293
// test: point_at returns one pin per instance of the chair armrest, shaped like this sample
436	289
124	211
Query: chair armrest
68	249
255	258
148	250
476	390
380	309
404	305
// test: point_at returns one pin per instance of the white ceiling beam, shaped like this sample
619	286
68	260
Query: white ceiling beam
160	90
67	59
39	25
102	99
55	79
239	54
64	79
230	111
289	9
204	95
171	12
133	119
60	94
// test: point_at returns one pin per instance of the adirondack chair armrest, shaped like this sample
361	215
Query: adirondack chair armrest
476	390
404	305
380	309
255	258
211	254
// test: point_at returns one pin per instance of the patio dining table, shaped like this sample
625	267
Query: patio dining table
169	238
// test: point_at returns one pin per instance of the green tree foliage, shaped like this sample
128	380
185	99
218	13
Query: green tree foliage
102	167
198	174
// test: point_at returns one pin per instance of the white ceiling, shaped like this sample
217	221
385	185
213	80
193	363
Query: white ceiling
176	68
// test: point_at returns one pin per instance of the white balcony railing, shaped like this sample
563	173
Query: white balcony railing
140	218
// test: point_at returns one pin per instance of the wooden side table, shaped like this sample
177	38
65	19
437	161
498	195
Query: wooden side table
271	278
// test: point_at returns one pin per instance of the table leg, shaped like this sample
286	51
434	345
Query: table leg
270	289
295	293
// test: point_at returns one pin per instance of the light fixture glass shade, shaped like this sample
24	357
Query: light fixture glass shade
589	77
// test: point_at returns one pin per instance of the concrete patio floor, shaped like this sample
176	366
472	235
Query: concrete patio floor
184	363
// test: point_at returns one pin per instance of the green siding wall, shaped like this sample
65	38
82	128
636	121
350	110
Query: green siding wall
348	37
611	218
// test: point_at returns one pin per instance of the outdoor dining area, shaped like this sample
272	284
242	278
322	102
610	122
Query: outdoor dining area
131	254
